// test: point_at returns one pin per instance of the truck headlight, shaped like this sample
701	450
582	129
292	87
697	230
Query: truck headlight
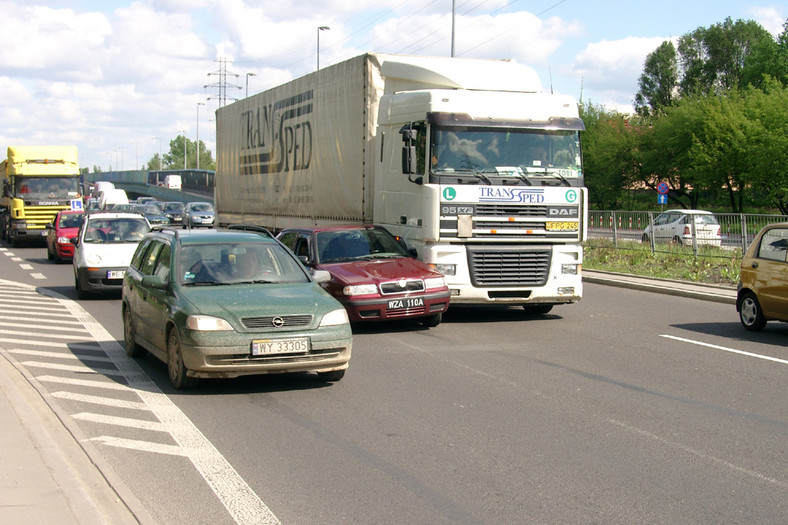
445	269
570	269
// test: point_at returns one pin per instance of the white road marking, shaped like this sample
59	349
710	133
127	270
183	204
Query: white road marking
17	332
59	355
40	326
120	421
26	266
65	321
101	400
142	446
80	369
700	454
38	276
111	385
726	349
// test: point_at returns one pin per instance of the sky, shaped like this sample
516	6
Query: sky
120	79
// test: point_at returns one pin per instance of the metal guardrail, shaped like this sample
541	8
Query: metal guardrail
737	231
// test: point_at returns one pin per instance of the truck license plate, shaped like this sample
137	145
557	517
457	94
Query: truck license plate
553	226
280	346
116	274
409	302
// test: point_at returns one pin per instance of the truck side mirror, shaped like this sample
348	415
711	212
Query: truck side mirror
409	161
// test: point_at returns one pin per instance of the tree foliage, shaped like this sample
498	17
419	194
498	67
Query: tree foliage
712	122
174	158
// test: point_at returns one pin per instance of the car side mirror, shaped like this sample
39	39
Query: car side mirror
321	276
304	260
154	281
74	241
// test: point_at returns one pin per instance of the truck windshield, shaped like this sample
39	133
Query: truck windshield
498	156
46	188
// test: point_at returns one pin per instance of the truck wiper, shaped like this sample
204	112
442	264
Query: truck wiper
558	176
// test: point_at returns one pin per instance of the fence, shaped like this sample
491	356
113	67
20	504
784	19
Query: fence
714	235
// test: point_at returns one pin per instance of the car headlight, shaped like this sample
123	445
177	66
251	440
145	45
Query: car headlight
434	282
445	269
335	318
206	323
63	240
93	259
360	289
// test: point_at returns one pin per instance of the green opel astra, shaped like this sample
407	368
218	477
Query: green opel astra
213	303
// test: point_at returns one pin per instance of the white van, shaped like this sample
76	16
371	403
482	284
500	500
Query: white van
172	182
113	196
100	186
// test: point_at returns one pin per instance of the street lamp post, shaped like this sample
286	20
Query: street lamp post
184	147
198	132
319	29
247	82
161	162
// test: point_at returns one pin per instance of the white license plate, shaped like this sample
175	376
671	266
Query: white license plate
280	346
116	274
408	302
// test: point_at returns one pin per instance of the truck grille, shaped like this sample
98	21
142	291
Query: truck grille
509	265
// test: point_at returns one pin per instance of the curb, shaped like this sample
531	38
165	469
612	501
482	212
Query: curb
706	292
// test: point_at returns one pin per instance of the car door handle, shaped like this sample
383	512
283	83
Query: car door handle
755	265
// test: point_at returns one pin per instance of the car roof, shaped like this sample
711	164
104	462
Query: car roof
338	227
214	236
113	215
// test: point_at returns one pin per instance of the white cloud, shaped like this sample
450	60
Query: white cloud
771	18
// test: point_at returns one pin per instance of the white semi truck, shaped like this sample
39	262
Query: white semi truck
468	161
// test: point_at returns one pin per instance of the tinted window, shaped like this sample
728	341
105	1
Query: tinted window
774	245
149	261
230	263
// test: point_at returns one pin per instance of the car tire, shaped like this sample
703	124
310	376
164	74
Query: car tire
750	313
175	365
50	255
129	335
81	294
677	240
334	375
433	320
645	239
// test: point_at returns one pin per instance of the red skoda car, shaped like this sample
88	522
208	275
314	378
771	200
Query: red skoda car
63	228
372	274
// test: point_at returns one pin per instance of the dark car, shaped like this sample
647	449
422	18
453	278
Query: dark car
198	214
153	213
173	210
60	232
230	303
372	273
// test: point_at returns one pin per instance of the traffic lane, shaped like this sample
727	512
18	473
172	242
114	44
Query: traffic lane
494	417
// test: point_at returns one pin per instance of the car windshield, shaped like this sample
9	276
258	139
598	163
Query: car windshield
362	243
70	220
238	263
115	230
150	209
173	206
200	207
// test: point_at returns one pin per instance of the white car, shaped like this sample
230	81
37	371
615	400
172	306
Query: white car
103	250
677	226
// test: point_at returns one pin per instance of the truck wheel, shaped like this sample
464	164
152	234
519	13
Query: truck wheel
537	309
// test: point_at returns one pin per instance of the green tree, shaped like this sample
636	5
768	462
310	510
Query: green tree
768	58
174	158
659	80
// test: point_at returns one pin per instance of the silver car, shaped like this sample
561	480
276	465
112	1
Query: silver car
198	215
677	226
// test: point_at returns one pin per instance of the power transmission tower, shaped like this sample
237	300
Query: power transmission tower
222	84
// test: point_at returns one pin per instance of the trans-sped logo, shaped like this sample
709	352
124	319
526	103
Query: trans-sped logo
449	194
498	194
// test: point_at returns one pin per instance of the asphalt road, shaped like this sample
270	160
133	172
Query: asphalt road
629	407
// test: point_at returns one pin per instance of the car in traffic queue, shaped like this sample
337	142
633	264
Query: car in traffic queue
681	226
224	303
763	280
103	249
173	210
198	215
153	212
63	228
372	273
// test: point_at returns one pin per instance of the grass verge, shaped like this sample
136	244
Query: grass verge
712	265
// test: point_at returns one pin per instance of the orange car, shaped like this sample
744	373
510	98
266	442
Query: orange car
763	284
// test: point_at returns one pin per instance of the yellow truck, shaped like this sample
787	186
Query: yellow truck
38	181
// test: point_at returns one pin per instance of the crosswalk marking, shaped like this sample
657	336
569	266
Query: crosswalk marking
60	355
100	400
144	446
121	421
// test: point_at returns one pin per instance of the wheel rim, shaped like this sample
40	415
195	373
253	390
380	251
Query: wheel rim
173	356
749	311
128	330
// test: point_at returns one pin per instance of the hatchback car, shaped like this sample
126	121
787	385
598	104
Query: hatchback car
230	303
173	210
59	233
763	286
677	226
153	212
104	246
198	214
372	273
